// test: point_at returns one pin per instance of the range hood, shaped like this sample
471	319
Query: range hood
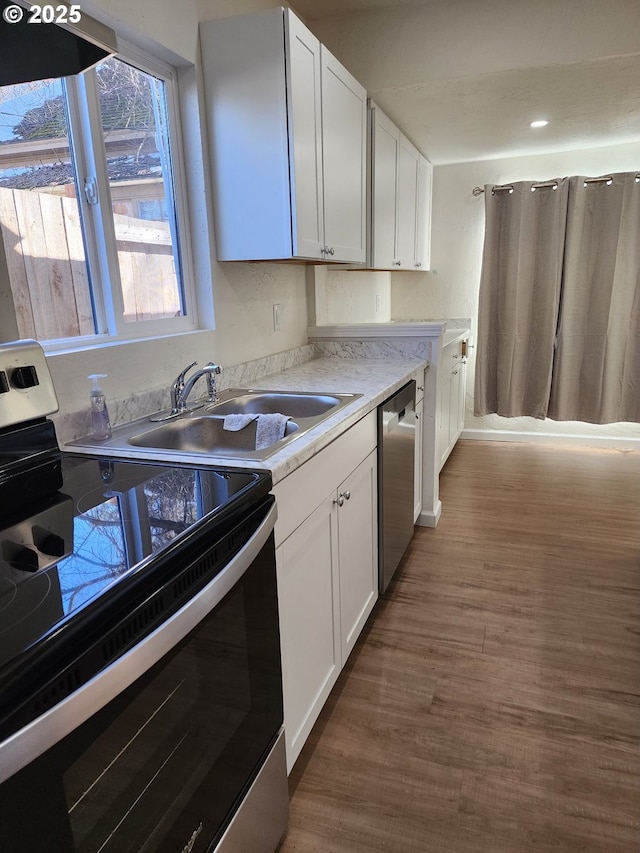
36	51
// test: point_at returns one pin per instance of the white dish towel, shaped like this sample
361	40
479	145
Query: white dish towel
270	428
234	423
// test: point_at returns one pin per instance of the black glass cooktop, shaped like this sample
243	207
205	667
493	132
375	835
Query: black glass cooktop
72	527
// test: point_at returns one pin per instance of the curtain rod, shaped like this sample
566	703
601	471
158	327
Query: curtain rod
509	187
607	179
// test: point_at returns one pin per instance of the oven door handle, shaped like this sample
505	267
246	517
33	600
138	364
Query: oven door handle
30	742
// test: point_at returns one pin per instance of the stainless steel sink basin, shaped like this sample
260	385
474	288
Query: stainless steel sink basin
202	431
203	434
269	402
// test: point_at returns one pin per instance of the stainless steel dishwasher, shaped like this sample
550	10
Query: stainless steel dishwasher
396	449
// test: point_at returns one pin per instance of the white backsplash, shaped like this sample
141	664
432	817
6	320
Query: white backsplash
392	348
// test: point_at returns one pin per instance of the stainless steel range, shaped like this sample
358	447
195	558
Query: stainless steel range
140	684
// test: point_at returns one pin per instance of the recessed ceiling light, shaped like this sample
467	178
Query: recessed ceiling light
540	123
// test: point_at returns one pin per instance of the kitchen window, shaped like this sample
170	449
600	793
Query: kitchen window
91	212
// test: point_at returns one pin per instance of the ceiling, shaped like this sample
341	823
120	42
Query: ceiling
464	78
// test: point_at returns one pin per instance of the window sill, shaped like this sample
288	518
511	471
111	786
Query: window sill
104	343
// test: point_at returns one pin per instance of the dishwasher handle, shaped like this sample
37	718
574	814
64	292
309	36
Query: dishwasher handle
398	408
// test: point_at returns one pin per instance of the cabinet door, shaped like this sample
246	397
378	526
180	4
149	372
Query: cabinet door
244	75
344	140
408	160
444	417
454	407
308	600
385	139
423	223
462	392
305	137
417	474
358	549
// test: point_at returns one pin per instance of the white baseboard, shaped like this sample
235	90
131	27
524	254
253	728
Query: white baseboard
430	518
567	439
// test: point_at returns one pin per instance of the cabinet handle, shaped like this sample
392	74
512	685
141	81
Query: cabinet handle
454	372
420	387
347	495
417	416
328	250
419	264
339	501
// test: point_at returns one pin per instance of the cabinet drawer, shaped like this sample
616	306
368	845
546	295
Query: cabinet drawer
305	488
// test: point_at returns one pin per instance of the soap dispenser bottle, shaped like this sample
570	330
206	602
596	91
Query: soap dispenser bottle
100	422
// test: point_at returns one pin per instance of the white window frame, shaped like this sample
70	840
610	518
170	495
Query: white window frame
100	244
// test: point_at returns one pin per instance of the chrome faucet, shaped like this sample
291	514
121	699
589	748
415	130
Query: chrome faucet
177	388
180	389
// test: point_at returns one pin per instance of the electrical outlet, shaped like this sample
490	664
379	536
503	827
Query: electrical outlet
276	316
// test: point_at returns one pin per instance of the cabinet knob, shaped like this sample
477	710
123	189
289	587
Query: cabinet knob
347	495
419	264
339	500
328	250
455	372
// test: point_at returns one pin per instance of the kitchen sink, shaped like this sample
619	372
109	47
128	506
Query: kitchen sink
269	402
202	431
202	434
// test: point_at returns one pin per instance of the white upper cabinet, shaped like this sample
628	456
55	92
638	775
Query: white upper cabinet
305	138
287	134
400	199
408	162
344	161
423	218
385	142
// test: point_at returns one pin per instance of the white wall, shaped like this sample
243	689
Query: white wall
457	238
343	296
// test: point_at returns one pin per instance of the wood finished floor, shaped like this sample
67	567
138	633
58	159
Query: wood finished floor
492	704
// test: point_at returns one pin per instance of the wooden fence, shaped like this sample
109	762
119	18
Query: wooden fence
48	275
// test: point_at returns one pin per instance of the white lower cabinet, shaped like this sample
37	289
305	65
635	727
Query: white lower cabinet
357	502
327	573
309	602
451	398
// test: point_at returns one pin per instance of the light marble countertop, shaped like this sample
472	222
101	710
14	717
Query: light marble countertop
374	379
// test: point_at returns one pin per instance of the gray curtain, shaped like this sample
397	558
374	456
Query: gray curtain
596	373
519	297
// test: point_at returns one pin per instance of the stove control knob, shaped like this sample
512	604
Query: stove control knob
25	560
24	377
52	545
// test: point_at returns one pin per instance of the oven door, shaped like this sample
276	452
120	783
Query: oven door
157	751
